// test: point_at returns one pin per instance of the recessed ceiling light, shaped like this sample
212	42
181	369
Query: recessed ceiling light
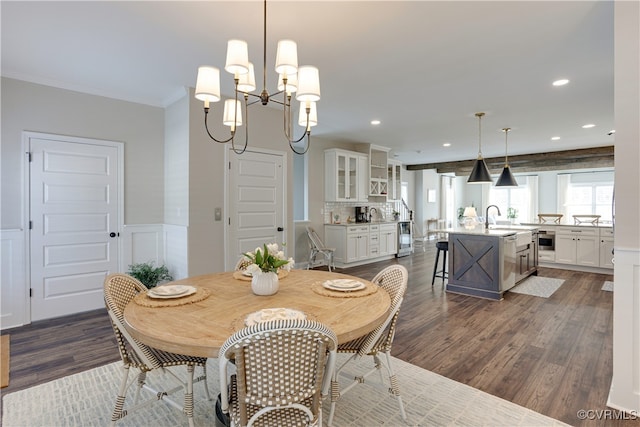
590	125
446	144
561	82
375	122
555	138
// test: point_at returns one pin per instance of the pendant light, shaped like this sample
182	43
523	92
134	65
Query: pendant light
506	177
480	172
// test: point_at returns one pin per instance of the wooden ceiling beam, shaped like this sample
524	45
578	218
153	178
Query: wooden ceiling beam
585	158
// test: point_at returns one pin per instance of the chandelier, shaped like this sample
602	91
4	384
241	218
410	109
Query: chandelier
303	80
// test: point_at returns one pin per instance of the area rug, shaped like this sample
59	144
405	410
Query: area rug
430	400
607	286
538	286
4	361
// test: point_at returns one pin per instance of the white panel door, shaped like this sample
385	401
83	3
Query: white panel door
256	203
73	210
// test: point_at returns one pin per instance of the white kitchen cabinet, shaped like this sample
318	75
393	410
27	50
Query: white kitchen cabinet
357	245
394	178
606	247
388	239
345	176
374	240
578	246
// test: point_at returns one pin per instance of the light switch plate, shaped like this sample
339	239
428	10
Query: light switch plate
218	214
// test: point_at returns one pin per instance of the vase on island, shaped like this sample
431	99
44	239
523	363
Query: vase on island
264	283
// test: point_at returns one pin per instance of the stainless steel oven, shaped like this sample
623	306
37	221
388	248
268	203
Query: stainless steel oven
546	240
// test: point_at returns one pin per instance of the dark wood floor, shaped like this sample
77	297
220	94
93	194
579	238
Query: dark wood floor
551	355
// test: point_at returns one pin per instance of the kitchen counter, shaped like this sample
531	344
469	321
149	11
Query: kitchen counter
583	225
494	230
347	224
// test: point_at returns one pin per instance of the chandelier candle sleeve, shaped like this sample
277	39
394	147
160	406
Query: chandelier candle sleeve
313	114
292	83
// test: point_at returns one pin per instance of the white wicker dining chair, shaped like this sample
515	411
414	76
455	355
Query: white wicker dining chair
392	279
283	368
119	290
317	247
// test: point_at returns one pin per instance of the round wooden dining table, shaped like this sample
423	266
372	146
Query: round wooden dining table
200	328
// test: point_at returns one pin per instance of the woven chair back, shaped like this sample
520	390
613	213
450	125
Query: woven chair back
119	290
392	279
280	362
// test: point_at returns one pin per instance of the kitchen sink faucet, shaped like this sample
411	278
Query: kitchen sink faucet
486	216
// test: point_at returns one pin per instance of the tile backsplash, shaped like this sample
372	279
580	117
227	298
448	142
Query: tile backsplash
346	211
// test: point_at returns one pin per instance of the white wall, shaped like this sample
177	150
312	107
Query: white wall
625	384
33	107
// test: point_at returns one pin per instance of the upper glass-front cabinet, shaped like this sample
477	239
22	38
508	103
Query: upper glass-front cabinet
394	179
344	176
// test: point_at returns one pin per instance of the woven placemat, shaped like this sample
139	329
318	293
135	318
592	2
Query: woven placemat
321	290
238	275
144	300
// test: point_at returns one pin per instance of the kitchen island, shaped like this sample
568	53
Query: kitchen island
488	262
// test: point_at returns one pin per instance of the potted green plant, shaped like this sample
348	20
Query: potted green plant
512	214
149	275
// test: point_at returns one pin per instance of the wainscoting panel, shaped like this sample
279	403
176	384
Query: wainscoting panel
625	384
142	243
14	292
176	250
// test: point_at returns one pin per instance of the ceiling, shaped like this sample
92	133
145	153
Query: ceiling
423	68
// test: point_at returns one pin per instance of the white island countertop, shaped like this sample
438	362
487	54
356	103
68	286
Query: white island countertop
494	230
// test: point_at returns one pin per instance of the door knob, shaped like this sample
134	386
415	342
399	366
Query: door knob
280	229
112	234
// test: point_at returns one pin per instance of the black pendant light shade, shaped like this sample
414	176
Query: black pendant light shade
480	173
506	178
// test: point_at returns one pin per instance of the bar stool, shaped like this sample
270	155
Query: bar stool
442	245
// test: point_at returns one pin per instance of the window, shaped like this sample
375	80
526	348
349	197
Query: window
523	198
588	193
